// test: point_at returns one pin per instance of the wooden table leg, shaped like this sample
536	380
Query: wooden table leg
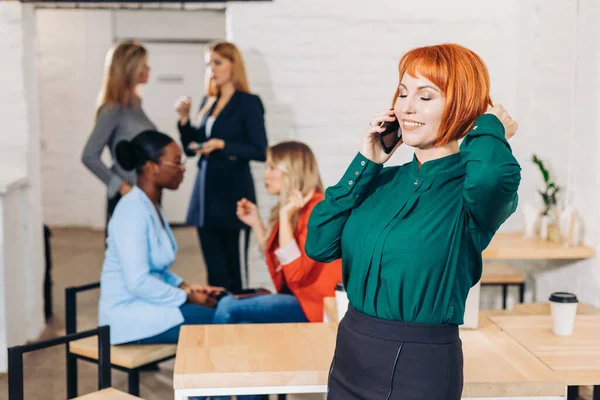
522	293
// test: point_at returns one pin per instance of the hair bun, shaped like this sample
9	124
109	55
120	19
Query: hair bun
126	155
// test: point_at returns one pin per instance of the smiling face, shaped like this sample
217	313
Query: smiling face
419	108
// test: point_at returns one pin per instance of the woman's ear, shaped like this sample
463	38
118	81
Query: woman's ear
151	168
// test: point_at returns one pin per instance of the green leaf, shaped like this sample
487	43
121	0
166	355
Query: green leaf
542	167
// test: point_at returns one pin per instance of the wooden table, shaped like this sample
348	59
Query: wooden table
512	246
496	366
574	359
253	359
520	309
544	309
295	358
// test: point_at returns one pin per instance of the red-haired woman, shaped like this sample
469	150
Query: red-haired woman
411	237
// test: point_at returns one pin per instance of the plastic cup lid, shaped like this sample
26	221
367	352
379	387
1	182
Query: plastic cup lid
340	286
563	297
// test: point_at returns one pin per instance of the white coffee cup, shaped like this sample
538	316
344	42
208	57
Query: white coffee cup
341	301
471	317
563	307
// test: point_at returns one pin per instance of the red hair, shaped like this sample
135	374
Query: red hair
463	78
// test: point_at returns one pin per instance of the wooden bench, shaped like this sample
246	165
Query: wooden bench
501	274
108	394
128	358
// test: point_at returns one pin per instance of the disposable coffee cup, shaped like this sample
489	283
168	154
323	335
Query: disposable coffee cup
341	301
563	307
471	317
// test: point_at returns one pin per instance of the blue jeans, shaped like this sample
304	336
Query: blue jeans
192	315
270	308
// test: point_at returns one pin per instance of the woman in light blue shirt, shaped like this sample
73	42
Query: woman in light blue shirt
141	300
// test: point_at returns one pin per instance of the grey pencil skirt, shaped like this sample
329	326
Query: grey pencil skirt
378	359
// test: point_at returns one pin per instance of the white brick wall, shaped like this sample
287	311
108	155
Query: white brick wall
73	46
324	68
13	104
19	156
583	120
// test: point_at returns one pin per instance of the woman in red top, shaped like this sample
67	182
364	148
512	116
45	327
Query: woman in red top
301	283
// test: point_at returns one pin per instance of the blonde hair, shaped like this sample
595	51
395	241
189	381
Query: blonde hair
301	172
229	51
123	62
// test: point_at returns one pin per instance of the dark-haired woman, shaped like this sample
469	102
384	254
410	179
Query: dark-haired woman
140	299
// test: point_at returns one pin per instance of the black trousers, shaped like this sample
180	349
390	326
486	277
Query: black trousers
377	359
221	249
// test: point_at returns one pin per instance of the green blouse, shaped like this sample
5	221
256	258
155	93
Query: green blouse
411	238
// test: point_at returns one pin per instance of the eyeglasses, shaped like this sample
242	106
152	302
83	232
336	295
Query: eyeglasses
180	164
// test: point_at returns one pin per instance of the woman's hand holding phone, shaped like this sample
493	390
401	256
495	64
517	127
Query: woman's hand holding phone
371	146
195	146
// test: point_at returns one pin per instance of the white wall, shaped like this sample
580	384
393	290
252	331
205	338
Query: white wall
21	240
13	143
72	50
583	119
324	68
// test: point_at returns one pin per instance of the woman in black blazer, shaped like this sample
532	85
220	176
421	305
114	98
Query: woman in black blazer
229	132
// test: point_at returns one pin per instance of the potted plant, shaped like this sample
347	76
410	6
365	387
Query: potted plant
550	217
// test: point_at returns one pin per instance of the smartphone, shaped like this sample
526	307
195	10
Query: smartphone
390	136
194	146
244	293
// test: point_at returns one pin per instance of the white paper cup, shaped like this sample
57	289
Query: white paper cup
341	301
563	307
471	317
